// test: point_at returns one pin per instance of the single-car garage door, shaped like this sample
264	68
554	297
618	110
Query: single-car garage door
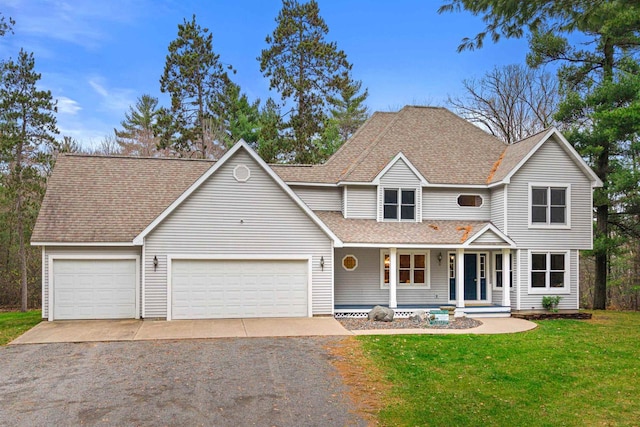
94	289
205	289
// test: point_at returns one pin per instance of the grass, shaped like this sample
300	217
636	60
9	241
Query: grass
565	372
13	324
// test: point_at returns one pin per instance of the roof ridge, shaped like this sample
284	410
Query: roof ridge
120	156
357	132
370	148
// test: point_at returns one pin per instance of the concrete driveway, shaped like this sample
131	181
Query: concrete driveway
223	382
133	330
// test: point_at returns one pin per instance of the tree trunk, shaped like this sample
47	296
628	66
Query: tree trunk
22	254
602	210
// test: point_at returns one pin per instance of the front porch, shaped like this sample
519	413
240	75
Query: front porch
406	310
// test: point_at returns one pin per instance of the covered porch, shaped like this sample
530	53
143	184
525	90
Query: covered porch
472	276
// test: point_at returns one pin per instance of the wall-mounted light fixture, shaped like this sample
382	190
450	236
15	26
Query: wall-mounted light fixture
322	263
155	263
439	258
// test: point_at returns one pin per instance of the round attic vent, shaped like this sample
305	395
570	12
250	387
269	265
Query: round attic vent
241	173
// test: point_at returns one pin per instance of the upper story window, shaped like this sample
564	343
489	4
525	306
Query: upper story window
399	204
549	205
472	200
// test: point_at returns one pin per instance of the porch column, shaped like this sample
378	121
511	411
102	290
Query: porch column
459	312
393	277
506	277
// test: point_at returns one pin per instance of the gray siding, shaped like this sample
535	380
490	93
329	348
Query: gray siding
320	198
550	165
399	176
497	207
534	301
488	237
361	202
81	251
442	203
362	286
226	217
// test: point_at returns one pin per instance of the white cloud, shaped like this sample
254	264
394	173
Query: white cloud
68	106
112	99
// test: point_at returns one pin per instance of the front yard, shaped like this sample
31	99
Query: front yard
565	372
15	323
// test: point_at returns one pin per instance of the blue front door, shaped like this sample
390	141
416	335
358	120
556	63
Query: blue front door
470	276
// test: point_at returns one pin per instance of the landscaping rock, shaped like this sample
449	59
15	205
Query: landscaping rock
419	316
381	314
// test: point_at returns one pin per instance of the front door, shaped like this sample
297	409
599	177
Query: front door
471	277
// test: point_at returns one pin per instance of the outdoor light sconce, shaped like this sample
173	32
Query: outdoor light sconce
439	258
322	263
155	263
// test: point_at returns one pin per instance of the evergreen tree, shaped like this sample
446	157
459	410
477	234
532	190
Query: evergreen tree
590	73
27	129
137	136
234	116
193	77
306	70
270	143
349	111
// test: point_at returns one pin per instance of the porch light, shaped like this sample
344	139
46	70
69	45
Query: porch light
322	263
439	258
155	263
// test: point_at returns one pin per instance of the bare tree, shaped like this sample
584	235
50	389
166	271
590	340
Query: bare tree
107	147
511	102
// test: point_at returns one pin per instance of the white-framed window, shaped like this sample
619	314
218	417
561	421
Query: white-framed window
549	205
497	284
399	204
412	269
548	272
349	262
470	200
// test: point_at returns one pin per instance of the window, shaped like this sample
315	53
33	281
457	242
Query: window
549	205
472	200
549	271
399	204
349	262
499	269
412	269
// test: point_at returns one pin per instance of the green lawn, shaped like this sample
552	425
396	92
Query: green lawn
565	372
14	323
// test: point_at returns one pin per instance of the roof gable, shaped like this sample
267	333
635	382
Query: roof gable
490	234
516	155
400	159
240	145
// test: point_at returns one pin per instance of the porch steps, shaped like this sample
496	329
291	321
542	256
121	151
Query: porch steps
487	311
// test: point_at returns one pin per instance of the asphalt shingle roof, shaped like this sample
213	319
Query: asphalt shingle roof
439	232
110	199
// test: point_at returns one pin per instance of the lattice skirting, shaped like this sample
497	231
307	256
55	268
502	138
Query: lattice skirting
399	314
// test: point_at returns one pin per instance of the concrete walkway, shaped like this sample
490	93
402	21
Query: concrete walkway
135	330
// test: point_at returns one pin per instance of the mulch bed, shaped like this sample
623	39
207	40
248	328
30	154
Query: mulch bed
360	324
543	316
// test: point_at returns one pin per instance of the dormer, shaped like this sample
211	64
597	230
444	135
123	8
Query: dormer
399	190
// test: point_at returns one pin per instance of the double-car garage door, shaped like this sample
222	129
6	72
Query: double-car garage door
199	289
206	289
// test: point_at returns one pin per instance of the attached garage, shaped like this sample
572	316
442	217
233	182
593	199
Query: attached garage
94	288
207	289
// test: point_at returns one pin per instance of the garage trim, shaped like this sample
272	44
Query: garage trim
52	284
240	257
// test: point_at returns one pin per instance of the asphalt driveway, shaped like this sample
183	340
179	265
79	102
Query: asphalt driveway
223	382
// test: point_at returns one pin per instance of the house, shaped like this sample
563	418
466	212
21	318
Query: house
418	209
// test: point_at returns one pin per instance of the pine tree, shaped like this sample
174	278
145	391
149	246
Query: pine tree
27	129
137	136
193	77
306	70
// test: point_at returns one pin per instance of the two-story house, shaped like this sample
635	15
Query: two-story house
419	209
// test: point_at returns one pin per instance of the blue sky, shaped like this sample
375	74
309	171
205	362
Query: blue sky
97	57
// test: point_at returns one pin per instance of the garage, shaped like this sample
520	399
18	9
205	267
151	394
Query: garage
94	288
208	289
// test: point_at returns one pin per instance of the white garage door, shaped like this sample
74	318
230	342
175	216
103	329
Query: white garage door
94	289
206	289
